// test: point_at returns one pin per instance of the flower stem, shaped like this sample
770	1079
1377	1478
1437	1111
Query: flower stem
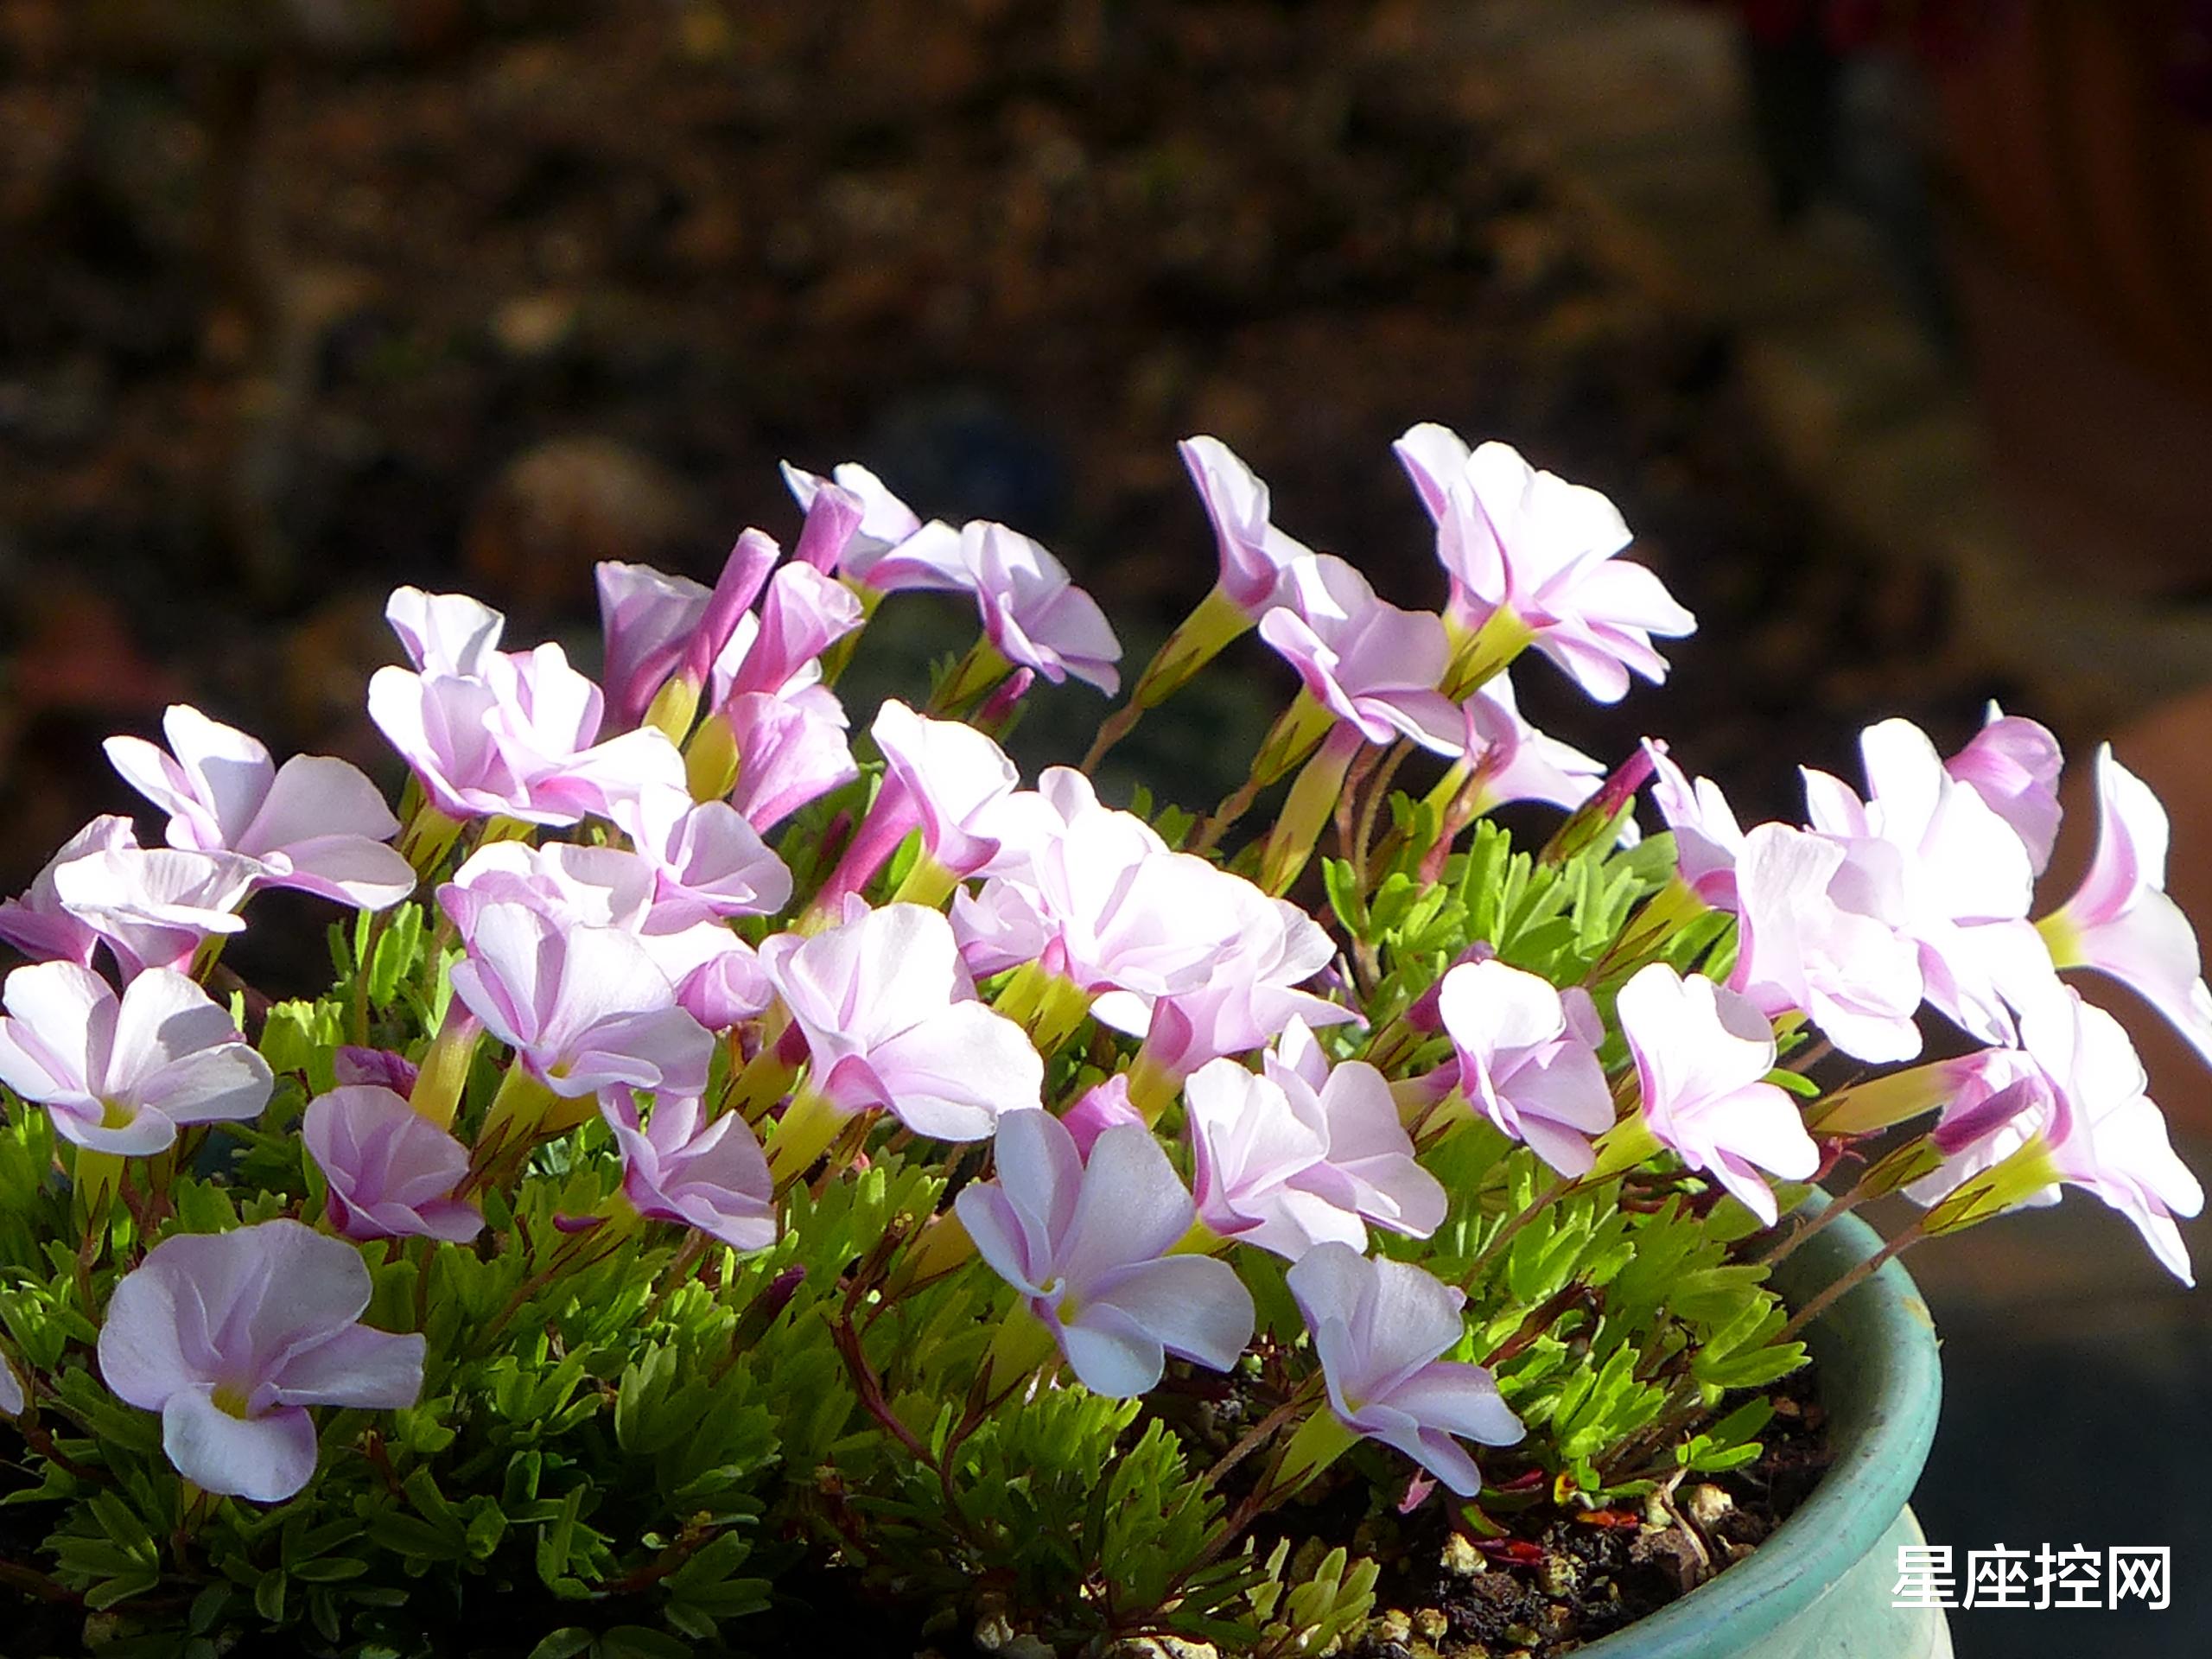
1023	1343
33	1582
443	1074
94	1178
1482	655
1198	638
1298	731
1261	1432
809	1124
984	667
1851	1280
711	761
521	1102
1837	1207
429	836
1119	725
1378	790
1319	1441
1298	826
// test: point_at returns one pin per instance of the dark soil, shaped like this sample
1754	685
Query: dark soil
1559	1580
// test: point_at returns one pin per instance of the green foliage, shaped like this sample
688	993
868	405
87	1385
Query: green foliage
629	1446
1315	1611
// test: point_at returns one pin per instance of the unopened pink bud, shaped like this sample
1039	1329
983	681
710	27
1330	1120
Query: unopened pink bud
831	519
377	1067
998	710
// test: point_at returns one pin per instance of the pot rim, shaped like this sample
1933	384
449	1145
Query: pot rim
1875	1360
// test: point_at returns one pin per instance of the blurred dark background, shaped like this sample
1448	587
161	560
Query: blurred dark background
1885	321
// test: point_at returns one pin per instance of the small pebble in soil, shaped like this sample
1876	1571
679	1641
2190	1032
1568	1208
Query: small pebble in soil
1706	1503
1390	1626
1162	1647
1460	1558
993	1628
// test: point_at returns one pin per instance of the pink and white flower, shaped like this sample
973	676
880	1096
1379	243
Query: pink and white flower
656	626
1702	1054
1529	544
802	614
519	740
891	1020
675	1167
1033	613
715	975
718	978
391	1172
584	1008
1102	903
1514	761
352	1063
1818	916
2075	1092
38	923
1811	937
1253	551
122	1074
317	823
791	750
945	779
1304	1154
2014	764
231	1337
1087	1245
1527	1059
444	634
1960	875
707	860
1380	1329
647	620
833	519
572	885
2120	921
892	550
1252	992
1100	1107
1707	838
1373	665
154	907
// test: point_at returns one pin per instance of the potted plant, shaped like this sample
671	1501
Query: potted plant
748	1183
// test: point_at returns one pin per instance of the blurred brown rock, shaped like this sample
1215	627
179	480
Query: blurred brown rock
327	657
560	507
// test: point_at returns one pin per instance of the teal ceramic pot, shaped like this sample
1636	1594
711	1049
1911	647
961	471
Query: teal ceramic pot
1820	1588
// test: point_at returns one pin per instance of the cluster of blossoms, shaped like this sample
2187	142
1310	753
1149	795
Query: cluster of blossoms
684	926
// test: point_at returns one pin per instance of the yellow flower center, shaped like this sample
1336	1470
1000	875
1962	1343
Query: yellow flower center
230	1399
